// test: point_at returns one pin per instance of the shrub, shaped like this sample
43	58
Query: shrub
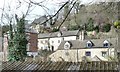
117	24
106	28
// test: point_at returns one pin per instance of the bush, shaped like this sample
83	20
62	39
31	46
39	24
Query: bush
74	27
96	29
55	30
44	53
106	28
90	25
117	24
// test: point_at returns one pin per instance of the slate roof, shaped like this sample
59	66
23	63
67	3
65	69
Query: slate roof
45	35
70	33
33	66
40	20
30	30
98	43
55	34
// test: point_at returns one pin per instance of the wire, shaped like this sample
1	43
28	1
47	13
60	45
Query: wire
67	15
55	13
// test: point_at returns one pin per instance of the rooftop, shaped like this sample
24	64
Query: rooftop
97	43
60	66
30	30
55	34
40	20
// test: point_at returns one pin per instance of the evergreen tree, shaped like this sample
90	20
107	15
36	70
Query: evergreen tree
17	42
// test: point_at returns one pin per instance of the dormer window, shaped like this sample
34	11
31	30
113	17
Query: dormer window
89	44
106	44
67	45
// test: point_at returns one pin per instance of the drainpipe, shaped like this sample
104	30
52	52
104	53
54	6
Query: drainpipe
77	55
108	54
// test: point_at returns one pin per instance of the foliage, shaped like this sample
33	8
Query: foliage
5	28
118	56
106	27
96	29
75	27
112	58
117	24
55	30
44	53
17	42
90	25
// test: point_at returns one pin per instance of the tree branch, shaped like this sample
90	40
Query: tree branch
67	15
55	13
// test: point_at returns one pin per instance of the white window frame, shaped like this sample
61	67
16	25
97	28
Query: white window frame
28	47
89	42
106	42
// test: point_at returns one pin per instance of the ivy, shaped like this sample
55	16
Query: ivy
17	41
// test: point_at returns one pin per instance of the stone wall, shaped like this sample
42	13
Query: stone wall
1	53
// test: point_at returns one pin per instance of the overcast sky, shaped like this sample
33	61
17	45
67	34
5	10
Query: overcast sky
52	5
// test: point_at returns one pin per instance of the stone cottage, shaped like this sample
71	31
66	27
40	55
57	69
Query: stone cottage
90	50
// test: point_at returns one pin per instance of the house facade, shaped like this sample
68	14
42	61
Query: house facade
86	50
51	41
55	42
43	41
32	37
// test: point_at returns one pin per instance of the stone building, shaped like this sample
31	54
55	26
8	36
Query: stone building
90	50
52	40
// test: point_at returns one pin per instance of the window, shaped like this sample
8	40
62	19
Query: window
52	48
88	53
41	48
58	41
46	47
28	37
46	41
28	47
104	54
106	43
41	41
52	41
89	44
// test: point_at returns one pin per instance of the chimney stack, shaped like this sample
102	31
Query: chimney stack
82	36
